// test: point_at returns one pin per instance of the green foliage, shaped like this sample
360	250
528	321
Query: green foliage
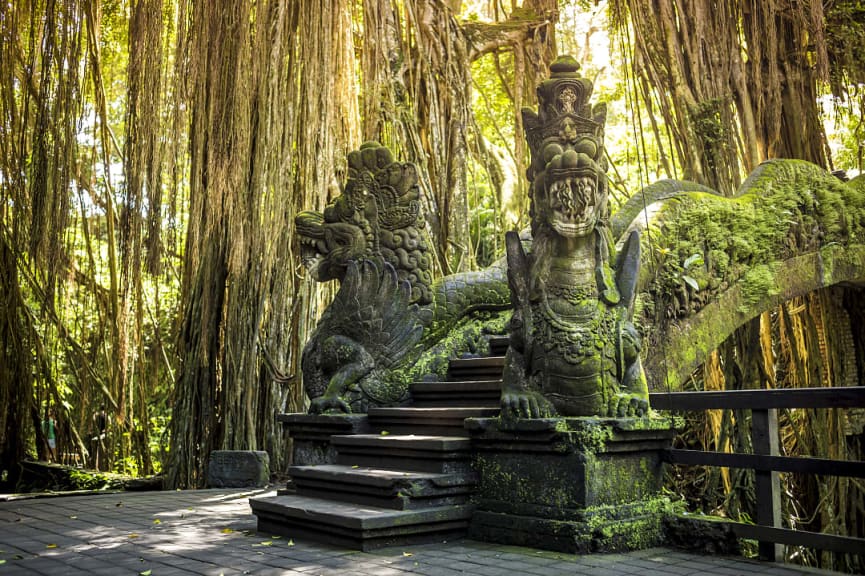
485	226
88	480
845	131
493	107
845	28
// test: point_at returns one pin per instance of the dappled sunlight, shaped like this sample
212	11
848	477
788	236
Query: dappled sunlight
212	532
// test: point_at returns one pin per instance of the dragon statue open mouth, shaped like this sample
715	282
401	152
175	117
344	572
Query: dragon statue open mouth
313	247
327	247
574	203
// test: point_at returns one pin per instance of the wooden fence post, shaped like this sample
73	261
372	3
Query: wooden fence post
764	438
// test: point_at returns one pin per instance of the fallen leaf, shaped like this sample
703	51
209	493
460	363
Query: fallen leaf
407	554
133	535
355	466
226	530
157	521
145	573
73	517
266	543
276	537
51	545
2	561
384	432
290	542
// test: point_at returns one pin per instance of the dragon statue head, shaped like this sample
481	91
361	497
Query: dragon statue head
566	138
376	217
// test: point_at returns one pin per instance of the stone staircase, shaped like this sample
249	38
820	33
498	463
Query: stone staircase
401	476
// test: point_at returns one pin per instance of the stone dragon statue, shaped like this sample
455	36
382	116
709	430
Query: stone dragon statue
385	325
574	350
586	323
585	320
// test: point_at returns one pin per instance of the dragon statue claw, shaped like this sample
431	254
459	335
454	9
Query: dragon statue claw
525	405
329	405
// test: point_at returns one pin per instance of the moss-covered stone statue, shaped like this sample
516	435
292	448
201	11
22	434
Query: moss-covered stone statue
377	217
716	263
389	323
574	351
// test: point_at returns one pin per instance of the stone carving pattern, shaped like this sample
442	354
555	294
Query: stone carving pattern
368	345
377	217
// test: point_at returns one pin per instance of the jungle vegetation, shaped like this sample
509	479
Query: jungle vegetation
153	154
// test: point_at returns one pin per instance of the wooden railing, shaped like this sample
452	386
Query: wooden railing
766	460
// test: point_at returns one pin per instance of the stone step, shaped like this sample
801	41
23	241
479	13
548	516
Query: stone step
487	368
358	527
303	426
486	393
393	489
438	421
439	454
310	434
499	345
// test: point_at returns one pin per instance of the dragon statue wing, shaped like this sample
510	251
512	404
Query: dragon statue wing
368	328
372	308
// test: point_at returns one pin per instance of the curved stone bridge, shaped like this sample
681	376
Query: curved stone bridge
712	263
688	342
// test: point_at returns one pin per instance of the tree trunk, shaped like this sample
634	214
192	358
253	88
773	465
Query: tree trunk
265	138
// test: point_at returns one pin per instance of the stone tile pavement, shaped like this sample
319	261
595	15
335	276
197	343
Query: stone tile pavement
212	532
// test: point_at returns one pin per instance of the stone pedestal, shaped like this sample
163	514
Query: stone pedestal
570	484
310	435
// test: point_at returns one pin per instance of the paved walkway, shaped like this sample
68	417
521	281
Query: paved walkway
213	532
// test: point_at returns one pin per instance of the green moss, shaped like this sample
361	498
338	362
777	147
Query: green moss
468	336
757	283
89	480
686	346
786	208
589	434
789	214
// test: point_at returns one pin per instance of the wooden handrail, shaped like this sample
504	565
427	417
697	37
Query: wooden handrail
762	462
766	460
840	397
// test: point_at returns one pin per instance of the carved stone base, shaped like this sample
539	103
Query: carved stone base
570	484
